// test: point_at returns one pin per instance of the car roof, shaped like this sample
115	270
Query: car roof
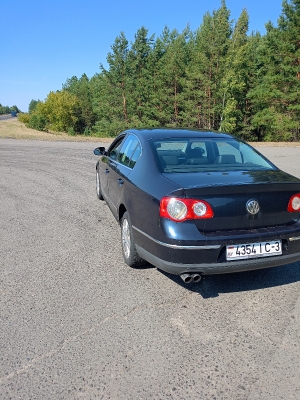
159	133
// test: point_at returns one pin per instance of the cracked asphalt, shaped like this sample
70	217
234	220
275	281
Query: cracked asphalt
77	323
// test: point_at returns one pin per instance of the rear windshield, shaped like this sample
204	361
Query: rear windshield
194	155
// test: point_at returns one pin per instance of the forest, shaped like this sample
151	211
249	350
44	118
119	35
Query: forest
219	77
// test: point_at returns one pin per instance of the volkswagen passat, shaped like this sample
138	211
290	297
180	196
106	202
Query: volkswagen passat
196	202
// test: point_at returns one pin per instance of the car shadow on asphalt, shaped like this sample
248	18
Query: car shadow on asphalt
212	285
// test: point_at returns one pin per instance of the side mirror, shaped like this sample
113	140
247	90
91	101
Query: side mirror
99	151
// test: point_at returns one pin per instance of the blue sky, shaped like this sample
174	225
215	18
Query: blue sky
45	42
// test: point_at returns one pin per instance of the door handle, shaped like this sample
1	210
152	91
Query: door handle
120	181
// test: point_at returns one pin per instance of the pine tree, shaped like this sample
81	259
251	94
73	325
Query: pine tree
82	90
140	77
276	97
172	74
194	91
234	80
208	66
161	104
110	90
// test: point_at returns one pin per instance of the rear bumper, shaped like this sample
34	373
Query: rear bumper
207	255
218	268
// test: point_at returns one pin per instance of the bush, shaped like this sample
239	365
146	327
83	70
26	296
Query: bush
37	122
60	109
71	132
87	132
24	117
105	128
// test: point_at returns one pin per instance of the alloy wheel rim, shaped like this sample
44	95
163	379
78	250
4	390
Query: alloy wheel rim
126	238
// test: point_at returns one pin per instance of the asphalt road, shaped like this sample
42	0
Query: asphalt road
76	322
5	116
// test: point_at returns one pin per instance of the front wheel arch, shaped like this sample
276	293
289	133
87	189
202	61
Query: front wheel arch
122	211
98	185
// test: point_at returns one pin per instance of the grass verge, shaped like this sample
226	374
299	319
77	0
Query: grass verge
12	128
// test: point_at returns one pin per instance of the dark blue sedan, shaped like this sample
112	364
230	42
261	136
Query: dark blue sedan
196	202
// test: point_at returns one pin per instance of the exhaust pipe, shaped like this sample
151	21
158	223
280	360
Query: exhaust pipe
187	278
196	277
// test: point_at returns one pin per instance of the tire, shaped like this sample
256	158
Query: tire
98	186
131	256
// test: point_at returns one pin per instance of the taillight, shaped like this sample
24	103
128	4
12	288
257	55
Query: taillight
294	203
179	209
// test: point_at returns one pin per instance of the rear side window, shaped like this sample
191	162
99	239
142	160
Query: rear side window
136	156
129	153
229	151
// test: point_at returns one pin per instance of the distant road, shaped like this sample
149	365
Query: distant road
6	116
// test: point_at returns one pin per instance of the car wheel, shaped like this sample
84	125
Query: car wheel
130	254
98	186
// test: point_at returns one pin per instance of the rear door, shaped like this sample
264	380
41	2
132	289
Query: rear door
106	164
120	169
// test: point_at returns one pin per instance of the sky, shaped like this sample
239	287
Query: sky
43	43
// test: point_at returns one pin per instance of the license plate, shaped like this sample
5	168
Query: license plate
253	250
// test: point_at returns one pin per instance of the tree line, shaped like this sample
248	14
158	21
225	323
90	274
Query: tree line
218	77
8	110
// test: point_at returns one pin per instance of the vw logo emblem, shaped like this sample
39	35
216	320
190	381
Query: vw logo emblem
252	207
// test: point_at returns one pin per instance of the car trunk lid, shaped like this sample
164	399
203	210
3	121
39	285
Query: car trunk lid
229	192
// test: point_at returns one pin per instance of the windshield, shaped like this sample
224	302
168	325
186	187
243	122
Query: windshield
200	154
